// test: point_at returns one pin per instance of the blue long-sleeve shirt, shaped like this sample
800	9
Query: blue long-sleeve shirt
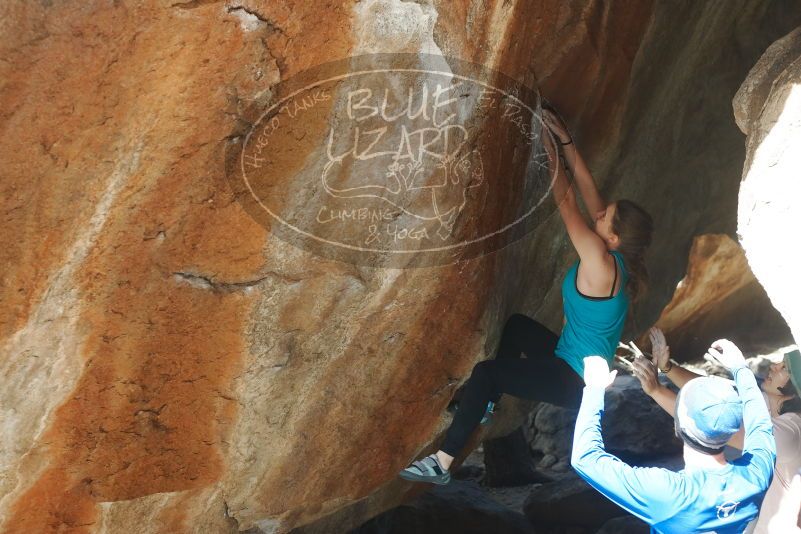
721	500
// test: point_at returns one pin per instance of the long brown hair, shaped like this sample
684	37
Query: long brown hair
634	228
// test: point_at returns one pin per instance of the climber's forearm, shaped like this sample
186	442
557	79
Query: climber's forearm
665	398
584	180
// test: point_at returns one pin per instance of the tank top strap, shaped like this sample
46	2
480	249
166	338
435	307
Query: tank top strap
614	282
619	257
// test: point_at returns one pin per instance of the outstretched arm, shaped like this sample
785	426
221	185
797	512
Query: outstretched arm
590	247
578	168
758	441
646	492
646	372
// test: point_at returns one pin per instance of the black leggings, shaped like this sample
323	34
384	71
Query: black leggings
540	376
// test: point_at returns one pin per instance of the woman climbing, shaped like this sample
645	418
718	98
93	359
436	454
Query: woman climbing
596	293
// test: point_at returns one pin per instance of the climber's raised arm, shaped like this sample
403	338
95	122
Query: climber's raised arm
590	247
586	184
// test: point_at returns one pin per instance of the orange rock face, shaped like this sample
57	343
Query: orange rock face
169	364
120	379
720	298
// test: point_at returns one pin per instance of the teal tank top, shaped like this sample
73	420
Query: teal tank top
593	324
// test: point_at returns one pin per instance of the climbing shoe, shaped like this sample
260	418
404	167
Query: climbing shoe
427	469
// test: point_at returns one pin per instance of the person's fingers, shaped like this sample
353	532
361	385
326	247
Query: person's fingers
657	350
636	350
549	116
657	337
724	345
547	142
552	122
642	379
714	356
640	369
642	374
652	333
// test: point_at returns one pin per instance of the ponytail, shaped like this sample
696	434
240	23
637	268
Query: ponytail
634	228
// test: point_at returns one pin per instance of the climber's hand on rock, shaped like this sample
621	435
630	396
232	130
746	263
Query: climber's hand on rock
556	125
596	372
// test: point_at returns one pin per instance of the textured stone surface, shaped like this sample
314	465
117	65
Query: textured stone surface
570	502
720	298
768	110
634	427
509	462
460	506
185	366
171	367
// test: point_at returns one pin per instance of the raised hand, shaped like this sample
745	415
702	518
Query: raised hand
726	354
596	372
556	126
646	372
548	142
659	347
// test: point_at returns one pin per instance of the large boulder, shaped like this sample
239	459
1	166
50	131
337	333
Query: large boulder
719	297
509	461
171	365
460	506
569	502
768	110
